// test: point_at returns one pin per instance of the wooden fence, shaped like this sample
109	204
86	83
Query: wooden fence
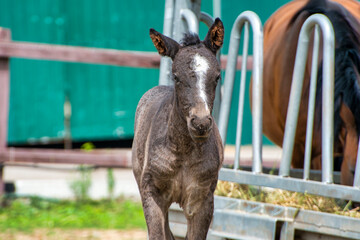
9	49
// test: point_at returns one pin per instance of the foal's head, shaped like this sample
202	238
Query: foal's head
196	73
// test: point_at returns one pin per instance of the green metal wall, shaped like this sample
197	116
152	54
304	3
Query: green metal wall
103	98
36	91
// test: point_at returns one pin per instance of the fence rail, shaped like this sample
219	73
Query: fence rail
15	49
63	53
105	158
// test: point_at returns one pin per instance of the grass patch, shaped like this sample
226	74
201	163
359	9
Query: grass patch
286	198
27	214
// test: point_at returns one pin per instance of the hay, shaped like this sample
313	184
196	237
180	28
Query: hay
286	198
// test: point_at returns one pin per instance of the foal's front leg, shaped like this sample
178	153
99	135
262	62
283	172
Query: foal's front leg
156	215
199	221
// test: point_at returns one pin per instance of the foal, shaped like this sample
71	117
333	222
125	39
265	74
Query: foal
177	150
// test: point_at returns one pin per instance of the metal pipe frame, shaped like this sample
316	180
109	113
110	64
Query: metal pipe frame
190	19
175	24
207	19
180	24
217	8
311	105
290	184
240	115
256	25
165	62
327	98
325	187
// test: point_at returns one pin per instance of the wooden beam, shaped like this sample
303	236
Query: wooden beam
2	182
79	54
4	103
4	91
89	55
106	158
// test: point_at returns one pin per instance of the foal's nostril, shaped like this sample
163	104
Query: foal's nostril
192	121
210	121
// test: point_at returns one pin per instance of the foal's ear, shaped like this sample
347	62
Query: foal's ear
215	37
165	45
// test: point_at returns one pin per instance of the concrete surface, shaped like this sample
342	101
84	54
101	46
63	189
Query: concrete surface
54	180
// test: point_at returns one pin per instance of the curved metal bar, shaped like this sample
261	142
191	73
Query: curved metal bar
206	18
191	20
327	98
175	26
311	110
240	115
255	23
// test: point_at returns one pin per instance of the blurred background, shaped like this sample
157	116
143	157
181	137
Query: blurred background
103	99
86	106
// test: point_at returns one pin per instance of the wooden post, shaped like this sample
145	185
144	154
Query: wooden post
4	103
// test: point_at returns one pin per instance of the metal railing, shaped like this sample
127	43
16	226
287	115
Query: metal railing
326	187
322	22
240	219
243	21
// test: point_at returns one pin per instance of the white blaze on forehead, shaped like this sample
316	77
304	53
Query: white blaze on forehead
201	65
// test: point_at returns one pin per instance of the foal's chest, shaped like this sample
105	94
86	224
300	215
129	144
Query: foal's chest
177	177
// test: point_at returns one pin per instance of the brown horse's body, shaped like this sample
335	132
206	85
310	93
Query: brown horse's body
281	33
177	149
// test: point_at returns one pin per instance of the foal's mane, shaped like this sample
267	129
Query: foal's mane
190	39
347	59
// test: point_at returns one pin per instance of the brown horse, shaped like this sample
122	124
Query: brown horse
177	150
281	33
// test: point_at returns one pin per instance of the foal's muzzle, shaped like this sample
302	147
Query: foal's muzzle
200	127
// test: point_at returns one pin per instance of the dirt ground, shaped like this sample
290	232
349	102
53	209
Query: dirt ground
83	234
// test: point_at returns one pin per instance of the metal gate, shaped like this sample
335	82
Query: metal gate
240	219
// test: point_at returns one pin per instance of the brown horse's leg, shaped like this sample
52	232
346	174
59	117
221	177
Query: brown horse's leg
347	175
156	215
199	221
351	146
298	155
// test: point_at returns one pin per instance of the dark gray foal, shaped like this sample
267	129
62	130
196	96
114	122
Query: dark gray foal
177	150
